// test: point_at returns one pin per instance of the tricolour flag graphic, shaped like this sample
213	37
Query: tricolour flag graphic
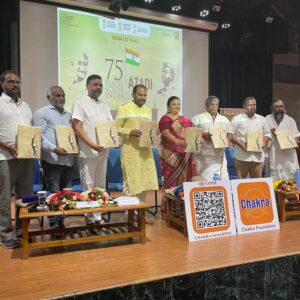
132	57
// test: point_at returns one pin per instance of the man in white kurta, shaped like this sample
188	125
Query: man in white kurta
249	162
138	166
15	173
92	157
282	163
210	161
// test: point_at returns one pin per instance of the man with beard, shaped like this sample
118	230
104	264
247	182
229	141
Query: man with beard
247	161
211	161
92	157
14	173
283	163
138	166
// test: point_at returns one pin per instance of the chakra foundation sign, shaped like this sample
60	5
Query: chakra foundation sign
254	205
209	209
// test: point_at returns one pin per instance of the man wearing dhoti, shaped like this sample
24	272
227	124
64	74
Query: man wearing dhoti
212	161
283	163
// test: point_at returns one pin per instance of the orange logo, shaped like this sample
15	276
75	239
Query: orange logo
255	203
209	209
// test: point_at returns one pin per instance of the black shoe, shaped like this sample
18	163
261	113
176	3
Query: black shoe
10	244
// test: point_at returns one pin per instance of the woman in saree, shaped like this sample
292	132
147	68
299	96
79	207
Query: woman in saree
176	164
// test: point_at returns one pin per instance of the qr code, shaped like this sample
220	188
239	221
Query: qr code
209	209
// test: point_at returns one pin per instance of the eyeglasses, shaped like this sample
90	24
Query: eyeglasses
14	82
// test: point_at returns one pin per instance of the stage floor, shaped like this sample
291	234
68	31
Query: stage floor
66	271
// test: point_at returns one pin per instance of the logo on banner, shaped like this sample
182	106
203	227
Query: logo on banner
255	203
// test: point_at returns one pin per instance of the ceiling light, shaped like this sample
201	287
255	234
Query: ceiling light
176	8
149	1
204	13
225	25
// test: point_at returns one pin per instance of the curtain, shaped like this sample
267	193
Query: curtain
236	74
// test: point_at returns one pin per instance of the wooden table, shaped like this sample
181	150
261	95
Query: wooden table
285	208
134	227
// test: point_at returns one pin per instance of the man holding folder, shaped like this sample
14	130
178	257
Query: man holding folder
138	166
249	162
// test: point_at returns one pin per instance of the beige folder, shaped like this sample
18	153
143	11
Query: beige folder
107	134
65	138
255	140
193	137
149	137
285	139
29	141
218	137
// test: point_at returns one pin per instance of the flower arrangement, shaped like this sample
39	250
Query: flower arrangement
63	200
177	192
97	194
284	186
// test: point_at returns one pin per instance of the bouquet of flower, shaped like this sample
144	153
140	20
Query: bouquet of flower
178	192
285	186
97	194
63	200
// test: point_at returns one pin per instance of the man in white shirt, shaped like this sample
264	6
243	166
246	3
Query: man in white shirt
14	173
211	161
282	163
92	157
248	161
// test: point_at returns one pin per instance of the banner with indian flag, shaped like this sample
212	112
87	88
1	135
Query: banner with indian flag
132	57
126	53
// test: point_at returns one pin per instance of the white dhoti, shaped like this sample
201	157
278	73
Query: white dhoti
208	165
93	174
283	163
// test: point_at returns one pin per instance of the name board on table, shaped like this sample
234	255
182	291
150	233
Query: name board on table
87	204
254	205
209	209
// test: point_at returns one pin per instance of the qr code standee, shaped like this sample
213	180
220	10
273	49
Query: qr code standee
210	209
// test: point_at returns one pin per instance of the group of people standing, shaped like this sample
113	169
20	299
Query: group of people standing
178	166
16	174
138	166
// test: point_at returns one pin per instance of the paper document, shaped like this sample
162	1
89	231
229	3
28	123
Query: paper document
254	140
285	139
193	137
149	137
29	141
218	137
107	134
65	138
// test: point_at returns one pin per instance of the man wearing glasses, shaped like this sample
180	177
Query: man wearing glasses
14	173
